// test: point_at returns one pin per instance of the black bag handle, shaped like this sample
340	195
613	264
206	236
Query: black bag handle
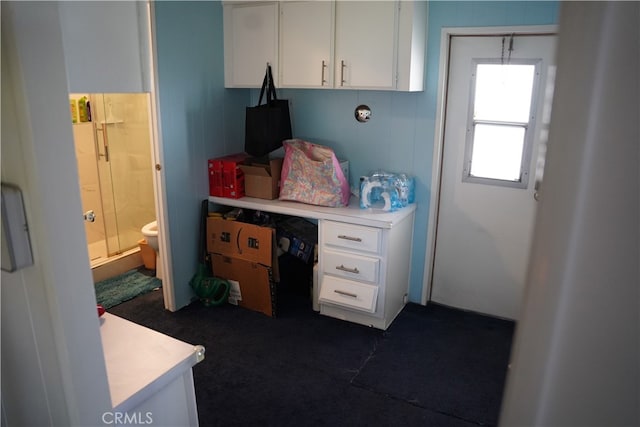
267	84
272	86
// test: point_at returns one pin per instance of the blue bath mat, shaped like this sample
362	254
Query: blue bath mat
122	288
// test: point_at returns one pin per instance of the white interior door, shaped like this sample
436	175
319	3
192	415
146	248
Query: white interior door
498	97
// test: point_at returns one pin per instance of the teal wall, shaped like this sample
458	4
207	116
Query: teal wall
201	119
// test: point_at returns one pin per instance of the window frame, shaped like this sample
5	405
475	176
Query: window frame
525	161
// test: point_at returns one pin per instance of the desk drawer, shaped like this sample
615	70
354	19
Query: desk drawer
348	294
351	266
352	236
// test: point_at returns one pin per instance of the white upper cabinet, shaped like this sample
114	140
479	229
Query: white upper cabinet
412	45
306	44
366	40
250	42
362	44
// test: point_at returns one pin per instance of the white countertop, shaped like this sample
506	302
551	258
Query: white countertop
351	214
141	361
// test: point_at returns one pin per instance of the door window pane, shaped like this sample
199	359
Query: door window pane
498	146
503	92
497	152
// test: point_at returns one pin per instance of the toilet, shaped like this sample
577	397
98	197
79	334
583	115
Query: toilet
150	233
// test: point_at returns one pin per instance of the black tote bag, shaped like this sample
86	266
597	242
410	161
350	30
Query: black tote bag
267	125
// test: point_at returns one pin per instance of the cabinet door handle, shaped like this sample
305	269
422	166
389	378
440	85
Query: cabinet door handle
353	239
323	80
347	294
342	80
347	269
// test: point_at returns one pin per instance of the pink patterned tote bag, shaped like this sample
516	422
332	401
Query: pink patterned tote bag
311	174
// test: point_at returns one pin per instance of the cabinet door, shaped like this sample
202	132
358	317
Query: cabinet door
103	57
250	42
306	44
366	39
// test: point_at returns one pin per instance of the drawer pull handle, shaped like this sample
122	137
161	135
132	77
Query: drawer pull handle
347	294
347	269
354	239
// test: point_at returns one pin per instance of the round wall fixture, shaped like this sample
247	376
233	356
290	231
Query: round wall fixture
363	113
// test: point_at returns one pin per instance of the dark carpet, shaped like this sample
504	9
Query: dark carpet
434	366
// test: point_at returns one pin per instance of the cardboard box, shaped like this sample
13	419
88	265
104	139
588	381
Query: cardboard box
215	178
298	237
252	284
232	182
245	254
226	179
244	241
241	240
262	180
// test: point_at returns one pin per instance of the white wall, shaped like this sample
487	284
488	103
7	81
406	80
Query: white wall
576	359
23	297
105	46
53	370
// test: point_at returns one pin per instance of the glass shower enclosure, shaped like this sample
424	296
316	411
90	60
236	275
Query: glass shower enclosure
115	167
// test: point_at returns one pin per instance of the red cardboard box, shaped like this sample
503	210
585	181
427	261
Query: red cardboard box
215	178
232	181
226	179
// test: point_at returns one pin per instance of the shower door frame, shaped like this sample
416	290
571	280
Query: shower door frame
114	145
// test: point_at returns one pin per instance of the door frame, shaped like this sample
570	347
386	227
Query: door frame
438	140
160	198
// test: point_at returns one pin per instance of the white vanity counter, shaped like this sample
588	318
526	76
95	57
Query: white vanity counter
149	373
351	214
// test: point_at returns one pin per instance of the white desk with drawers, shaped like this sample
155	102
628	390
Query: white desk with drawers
364	257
